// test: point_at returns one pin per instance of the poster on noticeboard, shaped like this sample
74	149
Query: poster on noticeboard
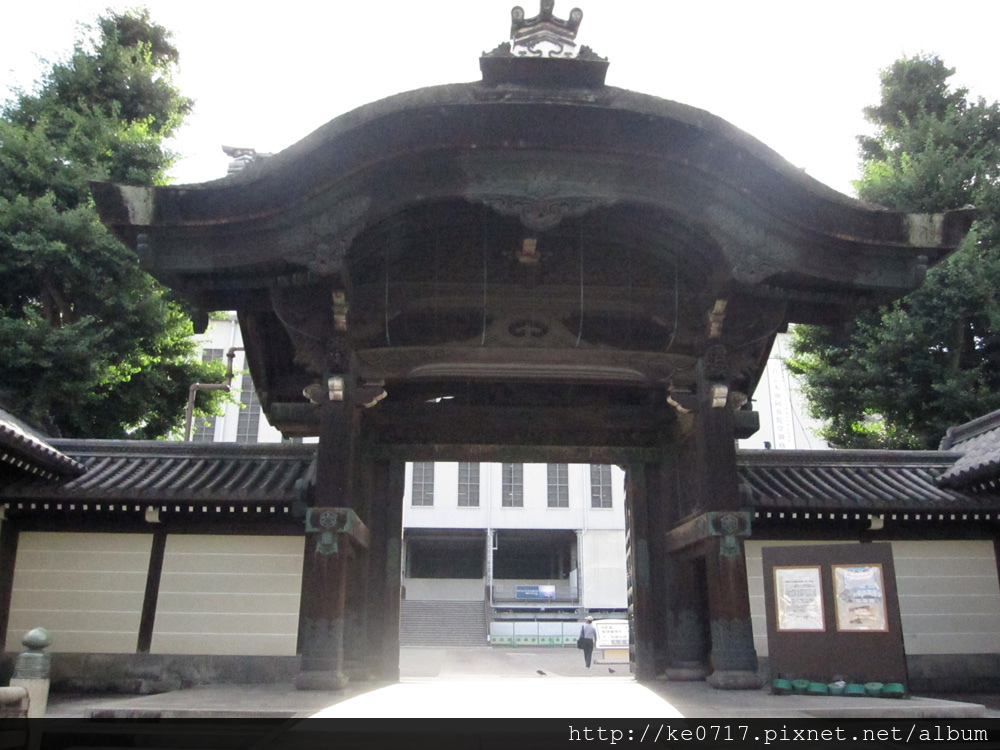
798	594
859	596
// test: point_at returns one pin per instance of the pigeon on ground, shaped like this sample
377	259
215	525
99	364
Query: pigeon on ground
540	672
611	670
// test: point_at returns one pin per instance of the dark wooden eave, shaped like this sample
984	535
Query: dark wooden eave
647	216
540	154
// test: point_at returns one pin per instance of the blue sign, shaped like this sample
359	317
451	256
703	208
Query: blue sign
534	592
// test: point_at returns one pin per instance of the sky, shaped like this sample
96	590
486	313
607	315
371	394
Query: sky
795	75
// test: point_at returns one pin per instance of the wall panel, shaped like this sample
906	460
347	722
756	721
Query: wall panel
223	594
85	589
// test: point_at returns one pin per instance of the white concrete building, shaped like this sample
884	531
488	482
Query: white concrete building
241	422
532	542
785	423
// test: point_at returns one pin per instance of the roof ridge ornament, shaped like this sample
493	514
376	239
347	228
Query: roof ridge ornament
542	53
544	35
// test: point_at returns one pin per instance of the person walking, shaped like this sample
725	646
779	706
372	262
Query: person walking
588	637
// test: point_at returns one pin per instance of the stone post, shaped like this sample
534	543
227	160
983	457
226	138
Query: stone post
31	671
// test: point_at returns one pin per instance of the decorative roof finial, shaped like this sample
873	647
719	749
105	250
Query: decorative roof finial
542	51
544	35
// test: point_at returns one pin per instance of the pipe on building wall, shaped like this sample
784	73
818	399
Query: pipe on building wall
195	387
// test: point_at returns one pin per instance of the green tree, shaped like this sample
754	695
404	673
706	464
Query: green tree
90	345
901	375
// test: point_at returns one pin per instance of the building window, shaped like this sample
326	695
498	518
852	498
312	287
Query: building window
513	486
558	485
248	423
600	486
468	485
423	483
203	428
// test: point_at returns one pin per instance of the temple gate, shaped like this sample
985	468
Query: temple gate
531	267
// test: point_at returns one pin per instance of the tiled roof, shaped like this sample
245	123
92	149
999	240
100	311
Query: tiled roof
27	450
855	480
156	471
978	443
152	471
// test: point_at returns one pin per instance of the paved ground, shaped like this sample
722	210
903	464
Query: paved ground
512	682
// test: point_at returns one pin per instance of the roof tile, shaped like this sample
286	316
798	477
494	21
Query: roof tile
856	480
978	443
152	471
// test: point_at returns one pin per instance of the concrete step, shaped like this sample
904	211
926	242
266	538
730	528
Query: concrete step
442	623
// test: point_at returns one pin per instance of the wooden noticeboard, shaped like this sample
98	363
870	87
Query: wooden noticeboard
833	611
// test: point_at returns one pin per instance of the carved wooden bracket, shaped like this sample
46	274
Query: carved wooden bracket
331	525
728	525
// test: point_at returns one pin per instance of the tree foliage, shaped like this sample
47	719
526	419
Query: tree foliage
901	375
90	345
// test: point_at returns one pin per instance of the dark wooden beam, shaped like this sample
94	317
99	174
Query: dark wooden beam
451	424
619	368
148	617
502	453
95	522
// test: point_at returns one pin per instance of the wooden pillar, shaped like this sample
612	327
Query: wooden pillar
688	635
734	658
154	572
709	537
384	485
658	478
8	557
719	478
640	592
335	460
357	632
322	614
322	620
331	536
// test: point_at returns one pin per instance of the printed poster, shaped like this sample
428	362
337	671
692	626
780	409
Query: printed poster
860	598
798	594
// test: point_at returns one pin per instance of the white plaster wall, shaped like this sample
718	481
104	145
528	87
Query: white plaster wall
949	597
85	589
223	594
